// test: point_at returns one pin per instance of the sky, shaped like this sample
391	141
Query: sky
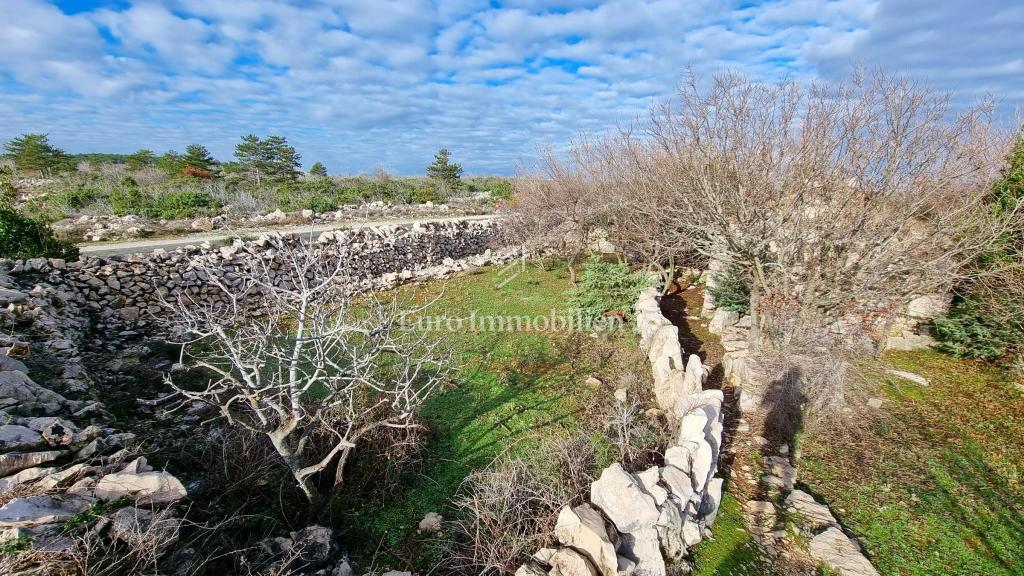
357	84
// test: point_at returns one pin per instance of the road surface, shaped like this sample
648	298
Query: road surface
224	236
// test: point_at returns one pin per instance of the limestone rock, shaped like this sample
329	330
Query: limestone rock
619	495
15	437
644	548
568	562
36	510
813	514
27	475
723	319
583	529
835	550
12	462
152	488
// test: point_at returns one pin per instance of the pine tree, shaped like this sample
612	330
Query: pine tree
140	159
270	157
33	152
318	170
446	175
198	158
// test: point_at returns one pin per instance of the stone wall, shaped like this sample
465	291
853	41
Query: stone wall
644	523
61	450
128	292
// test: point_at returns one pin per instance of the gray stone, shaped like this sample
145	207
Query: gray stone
833	549
620	496
14	437
813	515
12	462
36	510
583	529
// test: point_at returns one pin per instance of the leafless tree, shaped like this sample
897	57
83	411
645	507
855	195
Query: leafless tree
558	206
291	355
836	198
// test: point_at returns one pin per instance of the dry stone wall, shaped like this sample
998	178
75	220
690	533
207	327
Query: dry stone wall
128	292
644	523
61	451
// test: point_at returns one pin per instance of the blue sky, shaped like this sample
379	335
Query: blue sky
355	84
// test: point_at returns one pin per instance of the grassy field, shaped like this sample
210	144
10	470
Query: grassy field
512	389
937	486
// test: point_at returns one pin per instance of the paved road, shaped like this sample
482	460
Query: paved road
224	236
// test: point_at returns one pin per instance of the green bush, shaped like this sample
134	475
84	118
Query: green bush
605	287
22	237
129	200
732	290
179	204
968	332
73	199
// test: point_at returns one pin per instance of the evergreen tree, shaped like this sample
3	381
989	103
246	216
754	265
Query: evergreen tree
141	159
33	152
269	157
198	158
171	162
318	170
446	174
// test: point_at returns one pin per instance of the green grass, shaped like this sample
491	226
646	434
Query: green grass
732	551
512	389
938	486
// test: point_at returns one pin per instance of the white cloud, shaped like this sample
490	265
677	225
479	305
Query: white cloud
354	83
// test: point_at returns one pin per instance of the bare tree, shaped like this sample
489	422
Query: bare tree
291	356
835	198
558	206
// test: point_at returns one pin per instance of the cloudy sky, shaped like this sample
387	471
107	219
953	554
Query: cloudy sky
356	83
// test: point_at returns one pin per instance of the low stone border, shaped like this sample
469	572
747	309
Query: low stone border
643	523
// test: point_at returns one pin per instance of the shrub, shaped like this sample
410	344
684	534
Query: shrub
22	237
605	287
73	199
732	290
969	332
129	200
182	204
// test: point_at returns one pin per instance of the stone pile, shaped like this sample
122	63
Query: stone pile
644	523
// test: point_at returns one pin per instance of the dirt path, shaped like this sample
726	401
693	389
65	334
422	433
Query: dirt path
222	236
746	457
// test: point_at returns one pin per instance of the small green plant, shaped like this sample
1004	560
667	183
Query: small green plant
23	237
15	545
94	511
732	290
605	287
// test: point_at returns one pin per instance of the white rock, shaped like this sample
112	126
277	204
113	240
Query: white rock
813	514
12	462
620	496
152	488
644	548
915	378
583	529
722	319
568	562
835	550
